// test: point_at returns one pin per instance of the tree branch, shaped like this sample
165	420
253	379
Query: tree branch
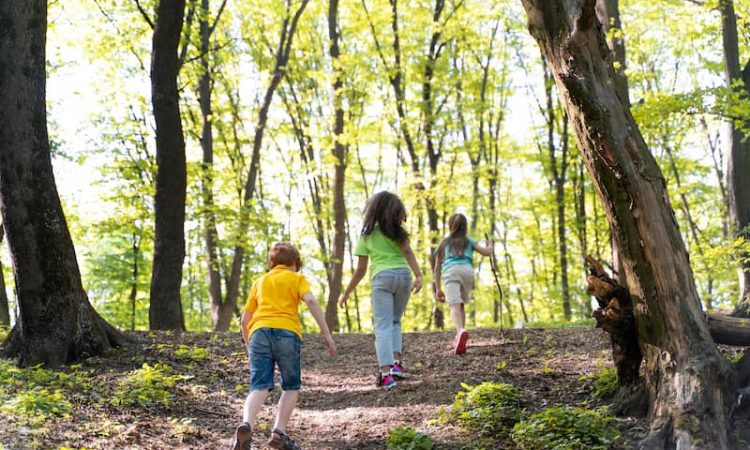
144	14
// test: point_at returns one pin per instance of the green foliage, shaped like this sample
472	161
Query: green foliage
37	394
147	386
191	353
407	438
37	405
566	428
491	408
606	384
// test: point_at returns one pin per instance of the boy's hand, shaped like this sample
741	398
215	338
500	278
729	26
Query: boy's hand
417	285
440	295
342	301
330	344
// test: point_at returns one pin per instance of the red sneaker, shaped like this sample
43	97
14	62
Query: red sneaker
461	340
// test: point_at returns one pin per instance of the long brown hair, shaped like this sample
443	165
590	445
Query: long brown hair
457	239
386	210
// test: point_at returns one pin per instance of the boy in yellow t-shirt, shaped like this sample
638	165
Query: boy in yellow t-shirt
272	335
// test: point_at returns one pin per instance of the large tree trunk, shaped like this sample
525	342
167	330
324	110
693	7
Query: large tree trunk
738	149
608	12
339	153
56	324
690	385
165	310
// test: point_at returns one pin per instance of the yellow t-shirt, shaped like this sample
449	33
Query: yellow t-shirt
274	300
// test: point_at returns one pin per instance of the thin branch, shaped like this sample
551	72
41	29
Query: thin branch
144	14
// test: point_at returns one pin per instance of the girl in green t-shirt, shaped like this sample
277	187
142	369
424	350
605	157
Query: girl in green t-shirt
386	242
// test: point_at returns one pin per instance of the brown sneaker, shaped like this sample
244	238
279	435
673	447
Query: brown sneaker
282	441
243	437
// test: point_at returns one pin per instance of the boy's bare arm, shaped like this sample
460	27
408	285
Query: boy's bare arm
317	313
246	318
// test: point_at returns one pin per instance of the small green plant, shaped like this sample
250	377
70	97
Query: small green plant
566	428
491	408
606	384
147	386
37	405
192	354
407	438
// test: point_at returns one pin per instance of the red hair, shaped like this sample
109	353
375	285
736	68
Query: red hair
285	254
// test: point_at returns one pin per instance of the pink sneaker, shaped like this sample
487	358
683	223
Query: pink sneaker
460	343
397	371
386	381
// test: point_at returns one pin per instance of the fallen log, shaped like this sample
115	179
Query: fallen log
729	330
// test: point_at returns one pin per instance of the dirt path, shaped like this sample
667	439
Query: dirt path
339	407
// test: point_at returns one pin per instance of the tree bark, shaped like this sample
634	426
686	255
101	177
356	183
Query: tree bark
738	149
608	12
4	307
56	323
221	309
339	174
165	309
690	385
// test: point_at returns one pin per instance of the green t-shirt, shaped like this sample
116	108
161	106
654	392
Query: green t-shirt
384	252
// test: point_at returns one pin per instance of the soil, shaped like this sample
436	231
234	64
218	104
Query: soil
339	406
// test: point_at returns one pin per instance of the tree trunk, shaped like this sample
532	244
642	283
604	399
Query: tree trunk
738	149
165	310
4	307
283	51
608	12
56	324
221	310
339	174
690	385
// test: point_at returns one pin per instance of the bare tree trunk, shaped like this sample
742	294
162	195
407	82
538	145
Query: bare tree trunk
738	149
221	311
690	385
283	52
165	310
48	281
339	174
136	246
4	307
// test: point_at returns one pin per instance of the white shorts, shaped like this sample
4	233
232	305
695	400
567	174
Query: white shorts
459	281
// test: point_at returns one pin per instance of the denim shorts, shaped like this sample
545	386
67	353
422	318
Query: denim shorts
273	346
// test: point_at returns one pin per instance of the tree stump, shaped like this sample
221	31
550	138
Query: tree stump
615	316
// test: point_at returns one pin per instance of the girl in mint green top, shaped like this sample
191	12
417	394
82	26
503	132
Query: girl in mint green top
455	269
386	242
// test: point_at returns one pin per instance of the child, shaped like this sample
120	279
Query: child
385	240
272	334
454	265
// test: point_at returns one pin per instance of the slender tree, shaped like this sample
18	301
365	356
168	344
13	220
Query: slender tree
281	59
738	151
690	385
339	174
4	307
46	272
221	309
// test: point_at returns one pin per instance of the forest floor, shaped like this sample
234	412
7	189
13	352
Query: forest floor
339	406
